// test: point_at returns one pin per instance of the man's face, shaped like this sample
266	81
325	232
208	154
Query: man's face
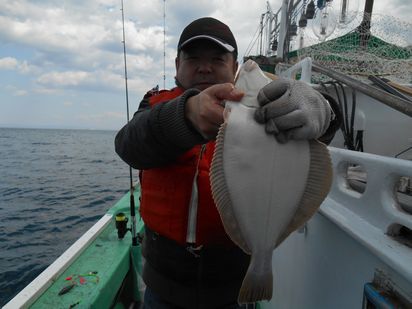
203	64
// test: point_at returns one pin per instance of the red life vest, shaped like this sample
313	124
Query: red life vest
166	194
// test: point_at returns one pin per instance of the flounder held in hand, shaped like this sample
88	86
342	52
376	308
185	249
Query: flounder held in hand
263	190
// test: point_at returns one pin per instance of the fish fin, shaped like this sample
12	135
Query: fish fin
221	194
317	187
258	282
226	113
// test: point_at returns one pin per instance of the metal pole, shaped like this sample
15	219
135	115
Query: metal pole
261	35
288	23
282	29
388	99
269	33
365	26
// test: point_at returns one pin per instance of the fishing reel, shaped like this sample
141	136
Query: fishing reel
121	224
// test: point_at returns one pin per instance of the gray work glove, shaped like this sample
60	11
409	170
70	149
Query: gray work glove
291	109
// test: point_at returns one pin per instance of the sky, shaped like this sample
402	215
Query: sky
62	65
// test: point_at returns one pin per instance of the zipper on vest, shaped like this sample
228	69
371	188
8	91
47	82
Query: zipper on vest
194	201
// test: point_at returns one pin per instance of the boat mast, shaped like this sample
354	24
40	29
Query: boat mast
365	26
282	29
270	25
287	10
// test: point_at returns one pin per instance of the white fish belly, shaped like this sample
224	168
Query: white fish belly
265	179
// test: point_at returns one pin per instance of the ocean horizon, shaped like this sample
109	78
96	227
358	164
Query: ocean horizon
52	127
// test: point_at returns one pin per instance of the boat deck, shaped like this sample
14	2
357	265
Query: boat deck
97	273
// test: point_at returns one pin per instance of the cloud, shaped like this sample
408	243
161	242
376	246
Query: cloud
50	28
68	78
136	84
100	80
26	68
144	38
80	48
20	93
8	63
46	91
15	91
59	36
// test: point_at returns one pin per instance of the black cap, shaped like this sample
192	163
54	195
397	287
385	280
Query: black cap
210	29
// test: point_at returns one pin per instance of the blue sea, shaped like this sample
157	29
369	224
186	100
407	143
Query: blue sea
54	185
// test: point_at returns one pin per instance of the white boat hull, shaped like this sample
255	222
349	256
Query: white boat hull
346	244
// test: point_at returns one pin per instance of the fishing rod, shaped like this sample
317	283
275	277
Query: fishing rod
164	44
132	203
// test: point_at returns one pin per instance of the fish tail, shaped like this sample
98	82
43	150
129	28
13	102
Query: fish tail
258	282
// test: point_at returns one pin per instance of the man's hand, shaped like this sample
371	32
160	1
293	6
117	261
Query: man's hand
205	110
291	109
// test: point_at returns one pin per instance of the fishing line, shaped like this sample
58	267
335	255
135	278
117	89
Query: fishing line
132	204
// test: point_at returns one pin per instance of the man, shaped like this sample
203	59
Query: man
190	261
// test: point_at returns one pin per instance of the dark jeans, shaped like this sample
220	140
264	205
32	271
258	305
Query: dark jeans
152	301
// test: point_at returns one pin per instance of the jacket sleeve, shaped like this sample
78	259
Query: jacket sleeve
335	124
157	135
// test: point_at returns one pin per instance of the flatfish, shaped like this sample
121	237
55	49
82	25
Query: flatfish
263	190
